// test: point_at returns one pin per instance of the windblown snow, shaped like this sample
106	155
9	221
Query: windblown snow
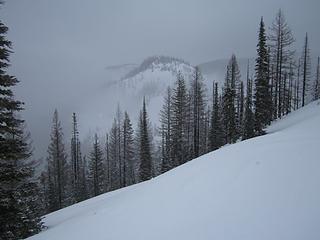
263	188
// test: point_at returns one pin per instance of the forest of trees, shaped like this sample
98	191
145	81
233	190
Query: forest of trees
192	122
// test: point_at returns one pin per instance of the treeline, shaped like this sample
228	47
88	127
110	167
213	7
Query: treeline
20	204
192	123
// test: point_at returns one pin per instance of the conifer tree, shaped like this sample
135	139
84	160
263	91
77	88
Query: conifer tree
179	122
83	181
297	86
96	168
114	157
216	137
166	133
262	99
128	151
119	144
75	159
57	168
248	128
317	82
19	204
306	65
108	164
229	98
198	103
145	168
241	106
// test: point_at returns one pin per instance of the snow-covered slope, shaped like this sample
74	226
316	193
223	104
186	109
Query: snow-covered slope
263	188
127	85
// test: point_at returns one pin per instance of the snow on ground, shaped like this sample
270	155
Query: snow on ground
262	188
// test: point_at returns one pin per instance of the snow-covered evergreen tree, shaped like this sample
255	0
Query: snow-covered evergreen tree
19	204
179	122
166	133
145	151
306	70
96	168
128	151
75	160
198	114
316	94
248	126
230	116
262	97
58	168
216	136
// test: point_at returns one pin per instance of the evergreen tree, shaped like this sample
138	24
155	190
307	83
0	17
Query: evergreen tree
19	213
179	122
114	157
108	164
241	106
248	128
96	168
317	82
198	103
306	67
166	133
262	99
75	159
57	168
83	181
119	145
128	151
216	137
229	97
297	87
145	168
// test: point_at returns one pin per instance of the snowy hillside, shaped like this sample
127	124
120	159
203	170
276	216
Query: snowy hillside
128	84
263	188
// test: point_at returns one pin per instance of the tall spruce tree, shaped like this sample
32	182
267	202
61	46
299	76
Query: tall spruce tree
241	106
108	164
19	206
128	151
58	168
198	103
316	94
75	159
166	132
306	68
229	98
216	137
114	157
145	168
262	98
179	122
96	168
248	126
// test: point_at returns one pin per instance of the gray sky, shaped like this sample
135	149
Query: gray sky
119	31
58	43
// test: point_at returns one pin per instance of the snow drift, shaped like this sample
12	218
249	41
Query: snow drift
263	188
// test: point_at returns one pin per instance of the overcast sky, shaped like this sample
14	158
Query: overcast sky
58	43
119	31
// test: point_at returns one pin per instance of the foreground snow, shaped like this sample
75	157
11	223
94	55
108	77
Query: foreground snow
263	188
